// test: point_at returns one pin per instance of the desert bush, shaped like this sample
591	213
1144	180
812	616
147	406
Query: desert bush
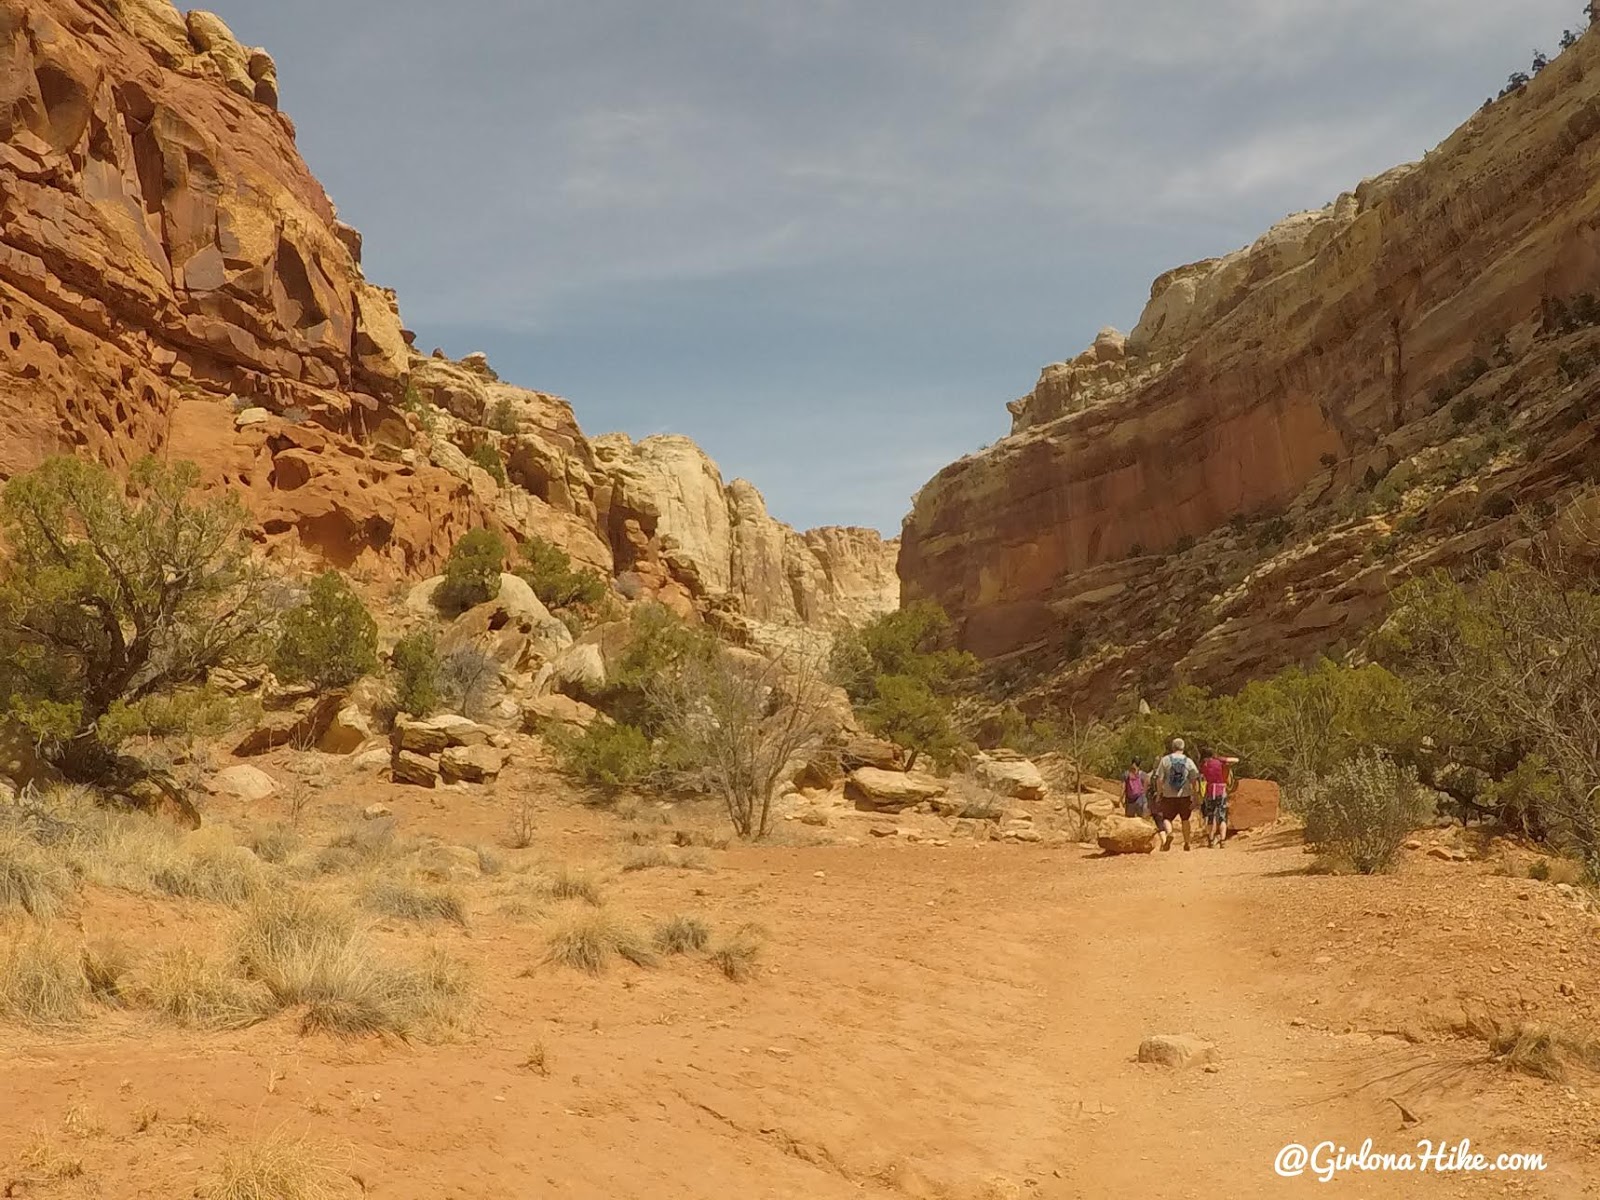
487	457
415	662
1530	1047
116	597
607	756
905	711
472	572
1364	811
915	642
411	901
330	640
279	1166
503	416
363	846
1503	671
682	935
41	980
549	572
31	879
467	679
587	942
524	823
659	642
197	990
735	722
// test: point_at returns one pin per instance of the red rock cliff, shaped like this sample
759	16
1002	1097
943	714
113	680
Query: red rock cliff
173	280
1278	386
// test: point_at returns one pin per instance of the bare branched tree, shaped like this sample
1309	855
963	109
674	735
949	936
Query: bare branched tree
467	677
735	721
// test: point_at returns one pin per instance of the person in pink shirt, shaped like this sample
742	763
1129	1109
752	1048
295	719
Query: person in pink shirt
1214	805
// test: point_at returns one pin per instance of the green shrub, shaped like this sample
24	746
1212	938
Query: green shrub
330	640
503	416
1465	410
487	457
472	572
906	712
915	642
1363	812
608	756
115	596
549	572
416	667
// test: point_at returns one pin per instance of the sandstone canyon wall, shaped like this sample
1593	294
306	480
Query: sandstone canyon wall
1366	391
173	280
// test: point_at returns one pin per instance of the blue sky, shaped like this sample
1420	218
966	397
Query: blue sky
829	240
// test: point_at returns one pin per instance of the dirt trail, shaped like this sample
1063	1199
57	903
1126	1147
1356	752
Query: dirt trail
957	1023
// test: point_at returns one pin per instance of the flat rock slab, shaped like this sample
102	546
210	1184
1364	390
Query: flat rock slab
244	782
876	790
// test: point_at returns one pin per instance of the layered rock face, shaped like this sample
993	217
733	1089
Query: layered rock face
173	280
1240	480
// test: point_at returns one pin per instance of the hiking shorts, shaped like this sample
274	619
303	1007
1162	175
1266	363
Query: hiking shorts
1135	807
1175	808
1215	810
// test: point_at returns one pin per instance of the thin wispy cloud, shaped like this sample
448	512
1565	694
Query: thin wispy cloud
813	234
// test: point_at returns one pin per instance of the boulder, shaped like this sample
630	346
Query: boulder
1126	835
471	764
890	791
1252	804
414	769
301	727
1010	775
347	732
1178	1050
1094	806
558	712
243	782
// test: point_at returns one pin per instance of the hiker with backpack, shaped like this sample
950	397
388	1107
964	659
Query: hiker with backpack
1135	791
1176	776
1214	806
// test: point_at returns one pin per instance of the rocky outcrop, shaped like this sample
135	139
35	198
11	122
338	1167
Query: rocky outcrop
673	520
1294	427
174	280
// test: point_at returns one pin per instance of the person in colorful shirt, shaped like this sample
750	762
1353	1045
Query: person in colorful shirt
1214	805
1135	791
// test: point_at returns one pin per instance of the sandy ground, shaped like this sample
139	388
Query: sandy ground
929	1022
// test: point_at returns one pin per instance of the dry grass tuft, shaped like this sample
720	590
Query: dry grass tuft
307	952
277	1167
682	935
30	878
362	847
589	941
659	856
44	1159
738	955
107	963
538	1060
695	837
209	865
411	901
41	980
568	884
198	991
276	843
1532	1048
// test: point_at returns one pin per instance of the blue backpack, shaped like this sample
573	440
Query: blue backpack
1177	773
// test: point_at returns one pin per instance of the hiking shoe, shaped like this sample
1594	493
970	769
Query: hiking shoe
1186	846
